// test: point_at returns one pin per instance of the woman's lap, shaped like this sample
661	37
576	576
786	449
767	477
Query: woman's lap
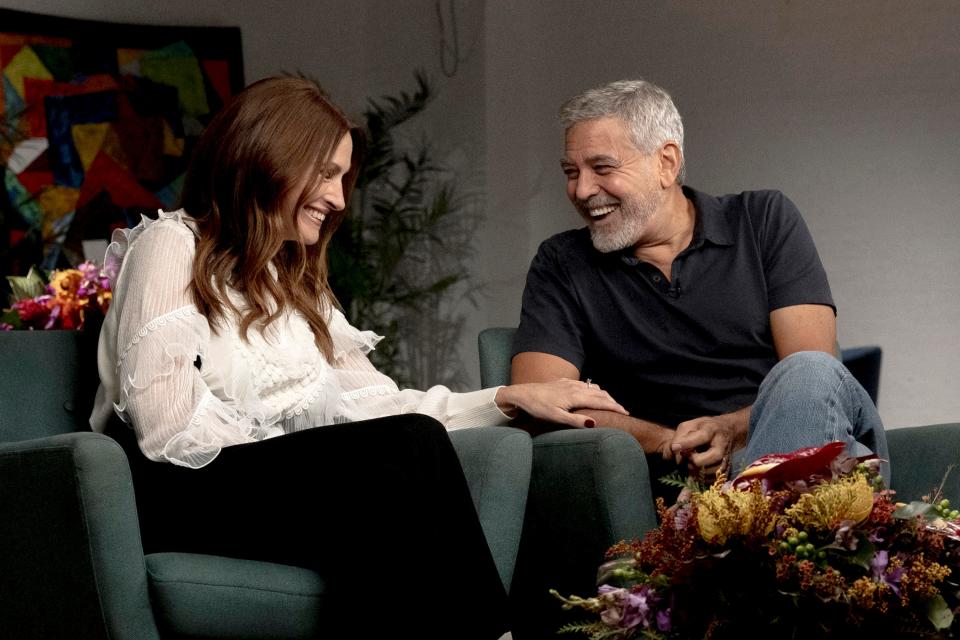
374	505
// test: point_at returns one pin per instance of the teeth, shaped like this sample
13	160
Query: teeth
602	211
319	217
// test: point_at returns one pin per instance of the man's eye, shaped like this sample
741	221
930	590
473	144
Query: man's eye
602	169
572	174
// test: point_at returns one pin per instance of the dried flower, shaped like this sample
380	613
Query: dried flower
816	549
830	505
724	514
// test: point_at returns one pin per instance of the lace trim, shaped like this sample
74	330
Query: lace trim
366	392
180	314
312	390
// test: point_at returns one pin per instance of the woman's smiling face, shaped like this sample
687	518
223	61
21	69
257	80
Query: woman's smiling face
326	197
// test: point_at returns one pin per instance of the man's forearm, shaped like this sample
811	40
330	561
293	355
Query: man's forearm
653	437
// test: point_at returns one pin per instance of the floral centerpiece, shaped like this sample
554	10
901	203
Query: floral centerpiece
59	303
803	545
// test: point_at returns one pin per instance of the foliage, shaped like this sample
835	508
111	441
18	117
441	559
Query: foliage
809	543
397	264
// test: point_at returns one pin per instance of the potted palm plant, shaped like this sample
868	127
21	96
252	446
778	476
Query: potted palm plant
398	262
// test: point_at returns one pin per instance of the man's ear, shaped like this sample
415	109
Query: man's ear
671	159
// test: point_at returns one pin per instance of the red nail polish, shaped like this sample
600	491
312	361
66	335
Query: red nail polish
589	424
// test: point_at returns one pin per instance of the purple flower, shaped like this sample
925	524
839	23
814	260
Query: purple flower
627	609
663	620
632	608
879	567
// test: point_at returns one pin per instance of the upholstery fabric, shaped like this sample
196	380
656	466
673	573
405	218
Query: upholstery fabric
590	488
71	564
213	597
919	458
39	362
496	462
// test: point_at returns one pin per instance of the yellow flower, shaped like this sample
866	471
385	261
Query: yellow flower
724	514
848	499
65	283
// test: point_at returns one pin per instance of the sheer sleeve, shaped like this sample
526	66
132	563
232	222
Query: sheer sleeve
160	340
366	393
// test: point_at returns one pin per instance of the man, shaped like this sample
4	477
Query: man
709	318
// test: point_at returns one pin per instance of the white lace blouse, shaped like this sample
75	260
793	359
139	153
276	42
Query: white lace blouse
275	382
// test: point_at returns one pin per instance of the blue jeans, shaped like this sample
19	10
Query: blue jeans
808	399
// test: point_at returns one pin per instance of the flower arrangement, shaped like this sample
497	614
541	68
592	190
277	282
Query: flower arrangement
807	545
60	303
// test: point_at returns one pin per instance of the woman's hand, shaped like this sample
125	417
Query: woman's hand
555	401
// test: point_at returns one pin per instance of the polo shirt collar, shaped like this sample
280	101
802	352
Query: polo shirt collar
712	223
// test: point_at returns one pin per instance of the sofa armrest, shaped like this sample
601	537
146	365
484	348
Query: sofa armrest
70	548
590	489
919	458
496	462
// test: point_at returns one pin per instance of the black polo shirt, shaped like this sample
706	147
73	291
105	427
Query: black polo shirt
696	344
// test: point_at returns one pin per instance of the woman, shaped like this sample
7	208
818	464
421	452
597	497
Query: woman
223	333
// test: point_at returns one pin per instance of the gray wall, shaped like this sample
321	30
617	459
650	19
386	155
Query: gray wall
850	108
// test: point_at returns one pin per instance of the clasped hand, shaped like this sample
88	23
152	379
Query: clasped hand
706	444
555	401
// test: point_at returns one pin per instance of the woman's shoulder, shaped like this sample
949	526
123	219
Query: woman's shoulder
171	232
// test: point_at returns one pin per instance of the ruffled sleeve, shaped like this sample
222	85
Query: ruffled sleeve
366	393
152	348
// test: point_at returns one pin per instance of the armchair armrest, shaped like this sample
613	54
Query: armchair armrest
496	462
590	489
72	563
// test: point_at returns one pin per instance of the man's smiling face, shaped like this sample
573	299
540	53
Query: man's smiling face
612	184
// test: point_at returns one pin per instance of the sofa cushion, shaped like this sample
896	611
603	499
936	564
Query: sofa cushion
203	596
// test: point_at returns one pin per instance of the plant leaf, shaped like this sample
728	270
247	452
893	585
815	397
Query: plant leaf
26	287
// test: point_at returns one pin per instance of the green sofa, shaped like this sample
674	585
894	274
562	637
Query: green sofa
590	488
71	562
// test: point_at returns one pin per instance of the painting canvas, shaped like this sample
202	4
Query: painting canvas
98	122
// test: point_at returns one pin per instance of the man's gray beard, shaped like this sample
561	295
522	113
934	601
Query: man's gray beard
634	215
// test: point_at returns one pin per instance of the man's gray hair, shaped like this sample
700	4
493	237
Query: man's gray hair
647	110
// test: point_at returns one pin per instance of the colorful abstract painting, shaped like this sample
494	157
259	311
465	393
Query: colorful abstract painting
98	122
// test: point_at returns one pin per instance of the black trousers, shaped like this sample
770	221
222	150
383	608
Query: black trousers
380	508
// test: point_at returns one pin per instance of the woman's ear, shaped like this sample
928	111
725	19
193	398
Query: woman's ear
671	159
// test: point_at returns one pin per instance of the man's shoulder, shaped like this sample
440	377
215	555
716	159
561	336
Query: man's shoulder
757	200
566	243
733	214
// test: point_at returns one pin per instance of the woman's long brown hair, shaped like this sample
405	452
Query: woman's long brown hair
269	140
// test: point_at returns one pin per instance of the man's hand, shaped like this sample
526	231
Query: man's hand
707	443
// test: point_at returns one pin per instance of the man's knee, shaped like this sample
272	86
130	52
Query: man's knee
815	365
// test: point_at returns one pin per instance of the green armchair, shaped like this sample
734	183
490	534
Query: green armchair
590	488
71	561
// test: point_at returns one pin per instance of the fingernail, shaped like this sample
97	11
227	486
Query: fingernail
589	423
